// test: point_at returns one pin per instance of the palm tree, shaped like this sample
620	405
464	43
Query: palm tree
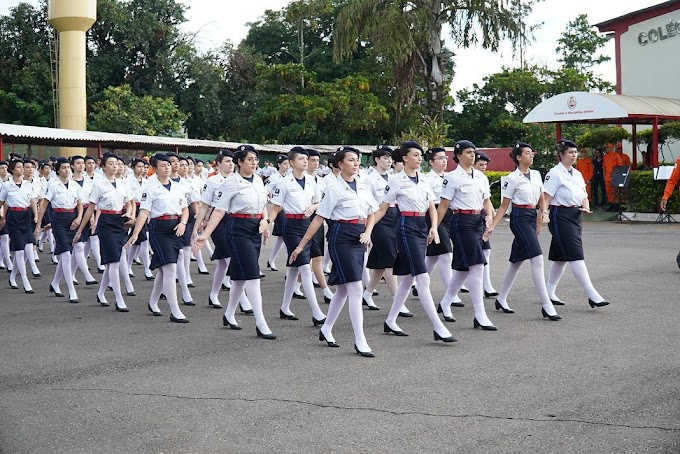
409	35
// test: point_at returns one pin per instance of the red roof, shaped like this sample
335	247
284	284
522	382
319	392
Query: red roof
623	22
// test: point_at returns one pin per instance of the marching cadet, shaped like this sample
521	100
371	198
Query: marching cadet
140	248
79	254
93	172
283	165
5	258
481	163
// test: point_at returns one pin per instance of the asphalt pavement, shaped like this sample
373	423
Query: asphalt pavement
80	378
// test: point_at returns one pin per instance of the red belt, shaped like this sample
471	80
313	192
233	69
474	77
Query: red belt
85	206
110	212
529	207
166	217
467	211
566	206
352	221
63	210
245	216
18	208
416	214
294	216
137	204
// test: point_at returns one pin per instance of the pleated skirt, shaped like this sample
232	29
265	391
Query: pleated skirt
383	253
245	241
466	232
523	226
61	229
565	227
112	236
164	242
412	237
346	252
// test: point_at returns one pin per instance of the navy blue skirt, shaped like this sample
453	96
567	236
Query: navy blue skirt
317	248
186	238
565	227
277	230
112	236
485	244
19	225
143	234
383	253
47	217
523	225
412	239
219	236
3	230
466	232
61	229
245	241
164	242
85	234
444	246
346	252
293	230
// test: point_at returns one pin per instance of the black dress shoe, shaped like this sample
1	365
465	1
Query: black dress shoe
414	290
318	322
368	354
56	293
437	337
457	304
375	293
326	299
156	313
103	303
150	278
233	326
464	290
396	332
73	301
447	318
131	293
203	272
370	308
213	305
262	275
499	307
476	324
162	297
100	271
14	286
593	304
191	285
316	285
557	302
286	316
91	282
188	303
490	294
121	309
75	282
224	287
178	320
405	314
269	336
323	338
30	291
37	275
272	268
299	296
554	318
245	311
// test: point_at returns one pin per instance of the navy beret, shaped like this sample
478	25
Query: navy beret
410	144
567	143
247	148
463	144
481	156
281	158
312	152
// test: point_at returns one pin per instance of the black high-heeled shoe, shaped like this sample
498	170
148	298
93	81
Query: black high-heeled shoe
269	336
318	322
285	316
213	305
150	278
370	308
499	307
74	301
246	312
457	304
396	332
368	354
103	303
557	302
414	290
476	325
405	314
272	268
464	290
490	294
36	274
323	338
188	303
94	282
156	313
121	309
203	272
554	318
299	296
447	318
326	299
178	320
233	326
56	293
30	291
449	339
593	304
13	286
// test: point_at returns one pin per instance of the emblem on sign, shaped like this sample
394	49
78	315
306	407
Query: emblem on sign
571	102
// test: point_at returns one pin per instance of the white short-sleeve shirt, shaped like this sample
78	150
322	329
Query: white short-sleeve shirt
209	194
339	201
436	182
16	196
109	197
567	189
86	186
522	190
377	184
62	195
137	187
407	194
465	191
159	200
289	194
273	181
238	195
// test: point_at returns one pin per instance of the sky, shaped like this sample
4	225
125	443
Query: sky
217	22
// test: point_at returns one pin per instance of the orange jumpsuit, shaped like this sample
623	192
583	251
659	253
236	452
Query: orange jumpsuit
672	181
609	161
585	166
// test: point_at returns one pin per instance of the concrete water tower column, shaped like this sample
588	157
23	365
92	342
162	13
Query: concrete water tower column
72	18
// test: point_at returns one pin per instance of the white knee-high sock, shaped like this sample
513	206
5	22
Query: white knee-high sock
134	252
103	285
487	272
539	283
508	279
170	288
218	276
445	273
157	290
326	260
399	300
30	256
365	276
334	309
4	249
80	262
199	261
554	275
255	296
20	266
114	282
123	269
187	263
289	288
356	314
209	248
145	258
182	277
278	243
375	276
95	249
580	272
431	262
426	300
235	294
65	262
475	284
306	277
58	274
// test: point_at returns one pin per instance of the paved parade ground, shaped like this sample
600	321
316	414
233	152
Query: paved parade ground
79	378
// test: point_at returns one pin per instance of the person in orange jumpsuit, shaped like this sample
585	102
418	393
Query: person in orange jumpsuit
609	161
585	166
670	185
621	160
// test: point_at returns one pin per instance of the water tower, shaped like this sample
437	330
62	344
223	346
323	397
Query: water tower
72	18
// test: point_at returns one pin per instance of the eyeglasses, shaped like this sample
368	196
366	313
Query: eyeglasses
442	158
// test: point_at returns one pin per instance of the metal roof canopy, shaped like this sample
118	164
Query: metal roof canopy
34	135
603	108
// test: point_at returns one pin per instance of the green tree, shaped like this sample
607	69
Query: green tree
122	111
409	36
